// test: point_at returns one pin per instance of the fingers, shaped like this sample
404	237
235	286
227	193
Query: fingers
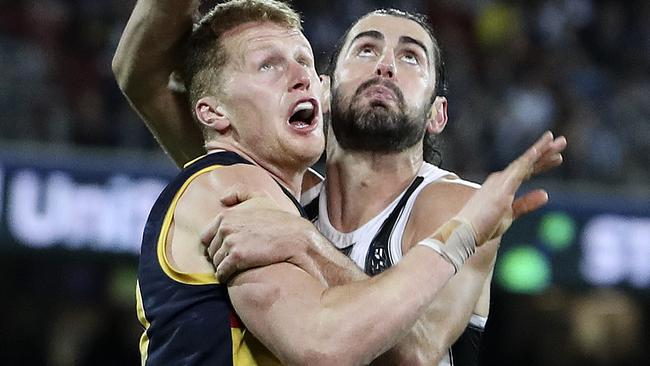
224	271
216	246
552	157
238	194
211	230
547	163
544	154
529	202
224	266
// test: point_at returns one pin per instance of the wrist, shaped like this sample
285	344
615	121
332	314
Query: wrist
455	241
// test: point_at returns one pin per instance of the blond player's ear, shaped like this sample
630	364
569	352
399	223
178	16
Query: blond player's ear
326	93
211	114
437	116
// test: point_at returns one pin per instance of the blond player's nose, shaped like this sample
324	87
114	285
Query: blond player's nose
299	77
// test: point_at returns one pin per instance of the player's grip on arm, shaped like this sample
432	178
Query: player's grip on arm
242	242
254	232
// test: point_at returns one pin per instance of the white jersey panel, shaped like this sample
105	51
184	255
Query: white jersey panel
362	236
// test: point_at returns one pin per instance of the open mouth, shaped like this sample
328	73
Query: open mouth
303	114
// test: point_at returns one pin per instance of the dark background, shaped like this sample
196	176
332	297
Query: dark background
572	282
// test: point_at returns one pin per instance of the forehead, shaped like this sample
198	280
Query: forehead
392	27
254	35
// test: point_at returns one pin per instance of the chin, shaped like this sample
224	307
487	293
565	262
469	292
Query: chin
309	152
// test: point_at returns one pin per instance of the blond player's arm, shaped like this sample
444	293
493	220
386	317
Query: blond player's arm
149	50
297	316
304	322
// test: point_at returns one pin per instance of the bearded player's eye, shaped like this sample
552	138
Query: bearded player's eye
366	51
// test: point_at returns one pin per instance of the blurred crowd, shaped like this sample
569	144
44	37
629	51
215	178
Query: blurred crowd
515	69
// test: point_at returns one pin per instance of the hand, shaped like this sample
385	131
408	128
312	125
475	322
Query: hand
492	208
254	232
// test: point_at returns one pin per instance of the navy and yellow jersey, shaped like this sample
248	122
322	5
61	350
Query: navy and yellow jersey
188	318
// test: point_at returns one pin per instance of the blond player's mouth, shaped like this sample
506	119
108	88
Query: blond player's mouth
304	115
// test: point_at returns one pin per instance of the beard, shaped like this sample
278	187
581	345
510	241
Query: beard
376	127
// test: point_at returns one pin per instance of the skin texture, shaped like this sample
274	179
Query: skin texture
385	55
293	310
233	249
272	69
148	52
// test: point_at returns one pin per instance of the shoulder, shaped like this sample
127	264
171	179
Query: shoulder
204	192
199	202
436	203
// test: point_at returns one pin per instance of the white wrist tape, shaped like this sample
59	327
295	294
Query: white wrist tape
458	246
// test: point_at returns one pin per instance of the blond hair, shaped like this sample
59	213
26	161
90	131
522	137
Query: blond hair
205	55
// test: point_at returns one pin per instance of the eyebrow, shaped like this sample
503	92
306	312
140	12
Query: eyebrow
371	33
410	40
403	39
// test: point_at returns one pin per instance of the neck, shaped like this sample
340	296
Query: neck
289	176
371	180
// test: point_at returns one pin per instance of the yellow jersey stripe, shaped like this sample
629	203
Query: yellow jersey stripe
193	161
144	339
182	277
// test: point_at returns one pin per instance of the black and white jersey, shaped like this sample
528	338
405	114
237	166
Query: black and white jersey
377	244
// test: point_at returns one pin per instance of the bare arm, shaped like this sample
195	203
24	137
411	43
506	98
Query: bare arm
148	52
446	317
278	236
373	314
466	293
449	313
303	322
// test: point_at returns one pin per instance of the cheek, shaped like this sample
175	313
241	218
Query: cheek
419	91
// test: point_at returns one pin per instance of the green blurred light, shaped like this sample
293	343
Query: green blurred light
122	285
524	269
557	230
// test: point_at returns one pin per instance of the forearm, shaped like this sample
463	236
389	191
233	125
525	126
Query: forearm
448	315
333	266
149	50
483	304
349	324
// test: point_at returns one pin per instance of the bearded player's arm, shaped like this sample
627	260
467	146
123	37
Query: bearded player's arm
295	315
466	295
149	51
272	237
468	291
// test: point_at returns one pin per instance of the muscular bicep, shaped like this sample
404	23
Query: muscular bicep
279	304
149	50
168	116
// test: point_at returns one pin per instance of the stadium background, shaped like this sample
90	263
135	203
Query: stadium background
79	171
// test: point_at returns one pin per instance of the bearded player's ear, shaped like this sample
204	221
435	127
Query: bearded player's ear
211	114
437	116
